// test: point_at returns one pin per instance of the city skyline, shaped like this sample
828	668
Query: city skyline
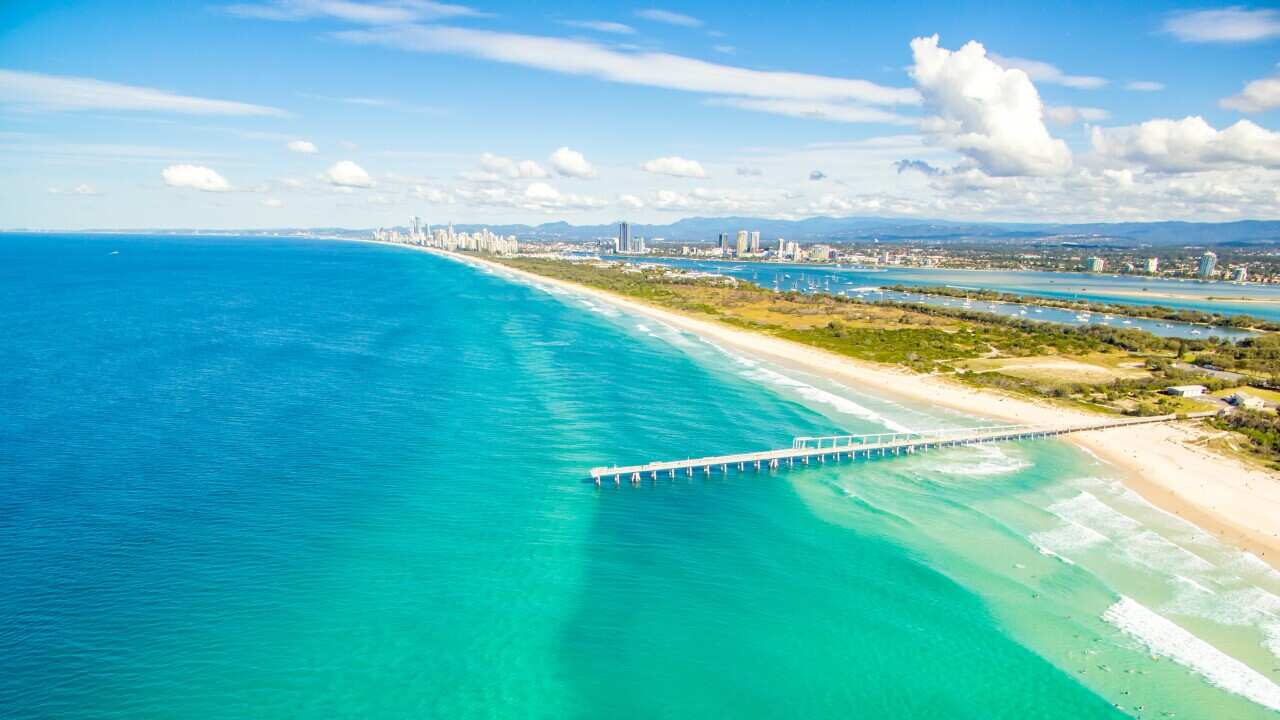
321	114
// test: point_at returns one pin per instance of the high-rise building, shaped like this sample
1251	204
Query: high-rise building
724	242
1208	264
1095	264
755	241
624	238
1153	265
1241	274
782	246
742	242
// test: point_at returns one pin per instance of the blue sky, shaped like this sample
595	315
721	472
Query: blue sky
268	113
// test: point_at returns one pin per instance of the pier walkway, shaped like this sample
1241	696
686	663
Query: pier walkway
806	450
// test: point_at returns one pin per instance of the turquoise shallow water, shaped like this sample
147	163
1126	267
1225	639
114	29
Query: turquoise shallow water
286	478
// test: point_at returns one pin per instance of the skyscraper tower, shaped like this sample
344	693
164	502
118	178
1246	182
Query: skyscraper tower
624	238
1208	263
724	242
755	241
742	242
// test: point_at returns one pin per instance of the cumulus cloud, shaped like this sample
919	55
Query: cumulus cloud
571	163
1257	96
37	91
432	195
919	166
302	146
508	167
655	69
347	174
817	175
1189	145
604	26
196	177
1047	73
387	12
675	166
536	196
630	201
748	171
1144	86
1228	25
1070	115
669	17
990	114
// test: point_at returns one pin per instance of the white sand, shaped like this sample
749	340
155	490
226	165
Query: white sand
1236	502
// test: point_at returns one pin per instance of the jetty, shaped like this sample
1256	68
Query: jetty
834	448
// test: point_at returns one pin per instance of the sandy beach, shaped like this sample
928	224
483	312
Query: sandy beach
1163	462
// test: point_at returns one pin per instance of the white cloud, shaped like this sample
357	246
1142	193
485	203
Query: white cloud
272	202
814	110
675	166
38	91
302	146
81	189
724	49
536	196
388	12
571	163
196	177
1189	145
347	174
505	166
669	17
1144	86
1046	73
630	201
1257	96
432	195
991	115
1228	25
1070	115
604	26
656	69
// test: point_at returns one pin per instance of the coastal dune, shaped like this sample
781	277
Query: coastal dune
1166	463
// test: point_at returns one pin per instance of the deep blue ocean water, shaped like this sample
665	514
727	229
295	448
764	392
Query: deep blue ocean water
297	478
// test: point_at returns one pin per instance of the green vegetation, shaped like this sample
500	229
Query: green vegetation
1258	357
1154	312
1261	428
1116	370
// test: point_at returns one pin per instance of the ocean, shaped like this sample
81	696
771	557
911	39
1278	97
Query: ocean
258	478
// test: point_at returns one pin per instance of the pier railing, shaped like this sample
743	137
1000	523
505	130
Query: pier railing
820	449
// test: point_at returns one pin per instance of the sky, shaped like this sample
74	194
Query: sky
361	113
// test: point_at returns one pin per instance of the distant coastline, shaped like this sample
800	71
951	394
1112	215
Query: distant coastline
1166	464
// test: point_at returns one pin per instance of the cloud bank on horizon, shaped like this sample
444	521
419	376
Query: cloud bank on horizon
506	113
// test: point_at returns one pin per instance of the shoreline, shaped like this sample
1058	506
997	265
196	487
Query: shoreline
1238	504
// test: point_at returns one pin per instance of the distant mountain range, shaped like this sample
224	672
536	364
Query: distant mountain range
706	229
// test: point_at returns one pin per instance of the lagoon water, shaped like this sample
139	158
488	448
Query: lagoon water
306	479
1262	301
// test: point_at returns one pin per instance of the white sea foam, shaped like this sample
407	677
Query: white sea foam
1138	544
1163	637
990	460
840	403
1049	553
1067	537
